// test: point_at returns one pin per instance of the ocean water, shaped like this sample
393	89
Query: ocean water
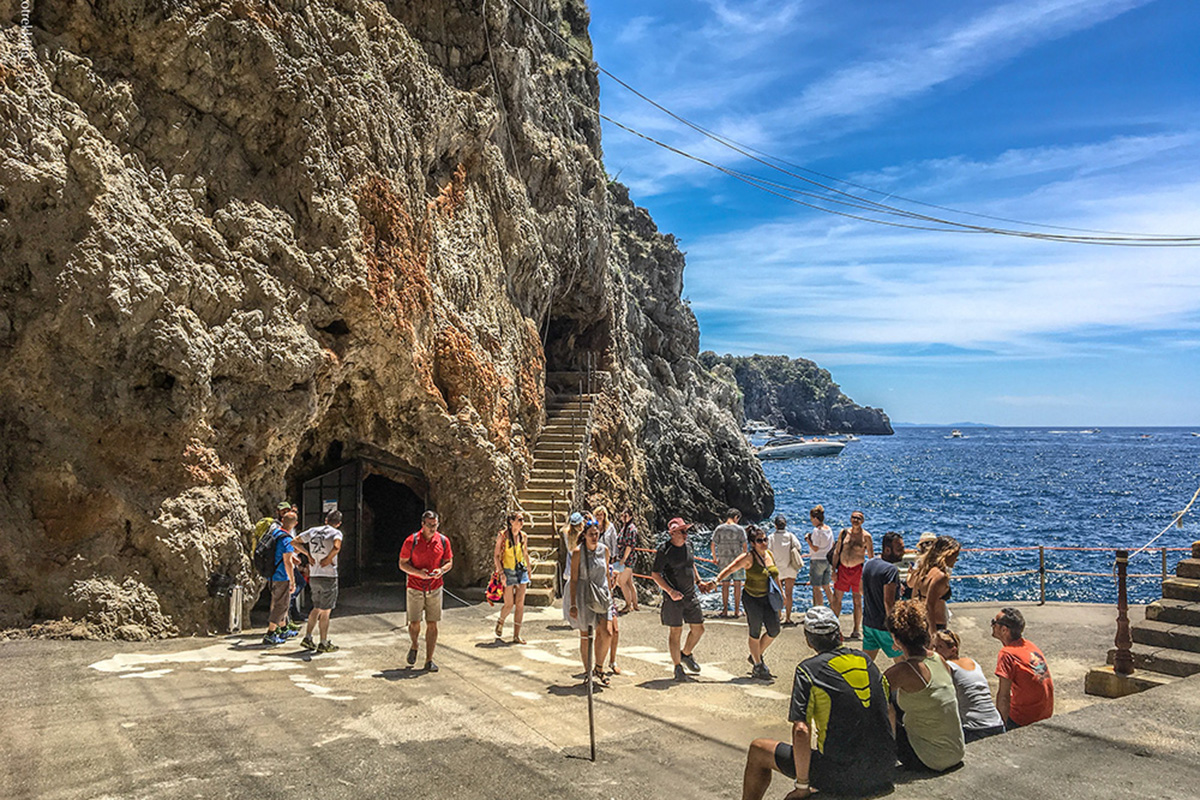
1007	488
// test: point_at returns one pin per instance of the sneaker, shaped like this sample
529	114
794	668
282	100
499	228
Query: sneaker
760	671
327	647
689	662
412	657
287	633
293	626
274	637
680	675
430	666
854	635
307	643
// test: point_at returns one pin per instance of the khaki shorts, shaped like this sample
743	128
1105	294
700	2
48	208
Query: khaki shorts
421	603
280	595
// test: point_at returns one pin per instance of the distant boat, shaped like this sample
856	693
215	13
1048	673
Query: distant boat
796	446
1091	430
956	434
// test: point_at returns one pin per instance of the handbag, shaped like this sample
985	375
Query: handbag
774	595
495	588
795	557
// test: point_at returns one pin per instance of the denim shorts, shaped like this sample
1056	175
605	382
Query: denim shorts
820	572
517	576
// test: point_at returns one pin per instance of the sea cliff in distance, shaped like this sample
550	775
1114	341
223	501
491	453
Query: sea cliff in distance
796	394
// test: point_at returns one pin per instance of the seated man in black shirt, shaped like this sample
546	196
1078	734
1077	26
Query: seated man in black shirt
841	737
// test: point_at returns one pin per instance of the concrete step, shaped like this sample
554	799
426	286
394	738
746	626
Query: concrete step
1164	660
557	493
1188	568
557	450
1167	634
543	570
556	437
1182	589
547	485
1177	612
539	596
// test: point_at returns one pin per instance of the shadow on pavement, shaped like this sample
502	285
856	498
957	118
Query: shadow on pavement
400	674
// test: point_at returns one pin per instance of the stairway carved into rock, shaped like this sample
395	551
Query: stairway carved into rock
548	496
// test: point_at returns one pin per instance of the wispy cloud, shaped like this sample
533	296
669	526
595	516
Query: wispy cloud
941	54
817	284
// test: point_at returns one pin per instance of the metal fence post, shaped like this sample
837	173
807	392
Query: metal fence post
1122	658
1164	566
1042	572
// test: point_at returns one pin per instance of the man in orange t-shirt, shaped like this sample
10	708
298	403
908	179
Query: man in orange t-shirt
1026	691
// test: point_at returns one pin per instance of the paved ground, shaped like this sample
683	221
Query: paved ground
225	717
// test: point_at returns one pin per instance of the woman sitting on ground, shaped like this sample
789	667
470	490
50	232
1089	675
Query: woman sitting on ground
760	570
976	709
928	732
511	555
589	598
931	583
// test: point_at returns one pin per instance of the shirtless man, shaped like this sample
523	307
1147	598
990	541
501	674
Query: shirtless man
853	548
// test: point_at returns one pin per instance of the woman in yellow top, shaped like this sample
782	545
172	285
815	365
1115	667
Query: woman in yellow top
511	555
760	570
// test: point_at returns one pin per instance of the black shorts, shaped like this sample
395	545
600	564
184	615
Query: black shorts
759	613
825	776
676	612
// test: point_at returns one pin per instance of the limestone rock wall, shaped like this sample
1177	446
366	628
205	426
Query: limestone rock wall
242	241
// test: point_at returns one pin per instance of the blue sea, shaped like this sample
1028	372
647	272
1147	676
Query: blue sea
1012	487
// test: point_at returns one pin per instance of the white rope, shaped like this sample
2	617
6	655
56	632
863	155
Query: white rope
1177	521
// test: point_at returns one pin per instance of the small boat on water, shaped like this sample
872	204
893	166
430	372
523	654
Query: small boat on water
797	446
956	434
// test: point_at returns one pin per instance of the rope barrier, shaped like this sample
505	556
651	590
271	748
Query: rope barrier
1178	520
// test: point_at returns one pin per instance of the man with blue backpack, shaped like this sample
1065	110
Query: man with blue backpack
278	543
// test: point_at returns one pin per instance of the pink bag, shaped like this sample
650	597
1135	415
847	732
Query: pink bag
495	588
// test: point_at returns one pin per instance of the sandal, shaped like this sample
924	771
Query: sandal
500	629
516	639
614	669
600	677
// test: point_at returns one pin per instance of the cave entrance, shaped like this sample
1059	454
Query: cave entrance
380	502
391	511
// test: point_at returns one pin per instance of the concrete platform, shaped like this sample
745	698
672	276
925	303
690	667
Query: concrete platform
225	717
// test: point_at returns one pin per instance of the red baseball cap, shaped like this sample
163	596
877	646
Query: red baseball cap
677	524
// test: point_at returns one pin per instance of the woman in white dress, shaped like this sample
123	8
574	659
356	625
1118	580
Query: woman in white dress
789	558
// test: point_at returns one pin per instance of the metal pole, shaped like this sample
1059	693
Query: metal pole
591	709
1042	571
1122	658
1164	566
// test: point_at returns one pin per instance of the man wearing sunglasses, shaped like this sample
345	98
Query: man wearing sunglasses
675	573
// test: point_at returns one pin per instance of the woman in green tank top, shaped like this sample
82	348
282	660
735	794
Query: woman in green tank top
760	571
929	735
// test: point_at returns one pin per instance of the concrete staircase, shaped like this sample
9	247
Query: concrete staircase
549	495
1168	642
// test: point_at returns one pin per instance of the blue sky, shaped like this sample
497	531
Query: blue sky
1082	113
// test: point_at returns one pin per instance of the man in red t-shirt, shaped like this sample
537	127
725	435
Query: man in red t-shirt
1026	691
425	557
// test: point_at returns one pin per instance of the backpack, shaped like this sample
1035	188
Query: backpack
264	551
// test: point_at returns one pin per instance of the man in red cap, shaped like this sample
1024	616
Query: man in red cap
675	573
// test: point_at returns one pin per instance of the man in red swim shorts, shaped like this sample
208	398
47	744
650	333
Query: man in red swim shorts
853	548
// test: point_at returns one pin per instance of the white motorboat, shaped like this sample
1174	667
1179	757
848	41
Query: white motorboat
956	434
796	446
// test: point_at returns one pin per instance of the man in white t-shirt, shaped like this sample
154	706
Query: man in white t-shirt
820	542
323	543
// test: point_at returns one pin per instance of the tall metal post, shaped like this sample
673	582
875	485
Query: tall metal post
1042	572
1164	566
591	709
1122	658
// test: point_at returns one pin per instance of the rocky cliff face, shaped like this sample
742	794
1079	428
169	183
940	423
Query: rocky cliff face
798	395
244	242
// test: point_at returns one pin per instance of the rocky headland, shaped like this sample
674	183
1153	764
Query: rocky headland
245	242
796	394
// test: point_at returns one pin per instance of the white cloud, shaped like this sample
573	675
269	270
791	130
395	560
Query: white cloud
806	282
938	55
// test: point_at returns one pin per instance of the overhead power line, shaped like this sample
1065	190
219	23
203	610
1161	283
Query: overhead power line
831	195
